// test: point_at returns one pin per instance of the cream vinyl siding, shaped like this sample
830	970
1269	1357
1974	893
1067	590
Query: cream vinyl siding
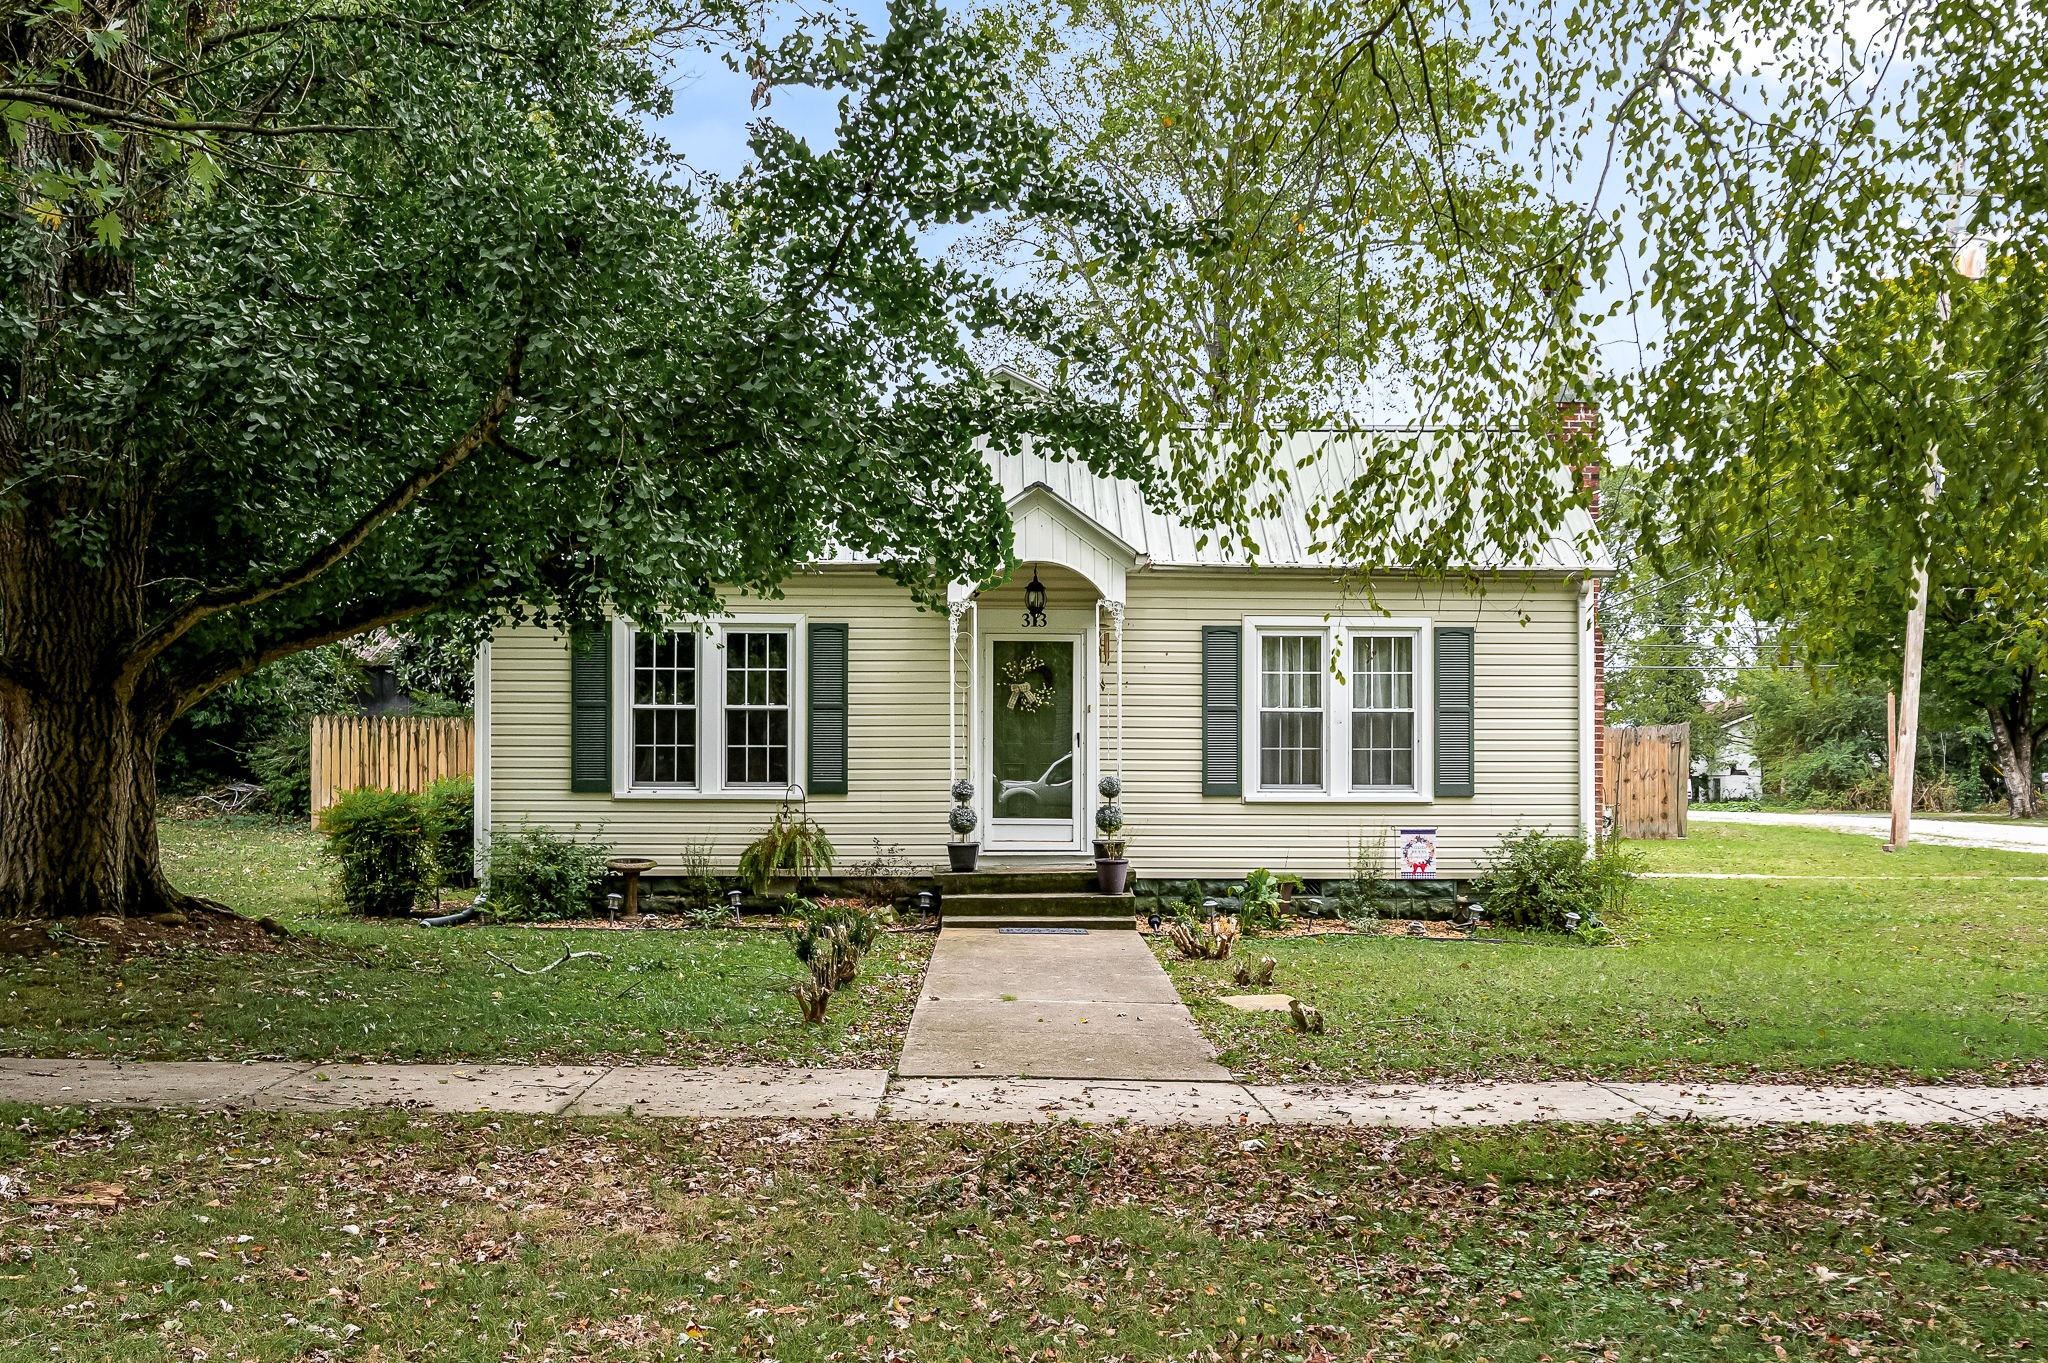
1525	725
896	737
1525	722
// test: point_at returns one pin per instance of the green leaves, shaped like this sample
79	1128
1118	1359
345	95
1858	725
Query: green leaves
1341	247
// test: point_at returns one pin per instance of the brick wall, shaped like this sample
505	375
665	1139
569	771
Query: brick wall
1579	428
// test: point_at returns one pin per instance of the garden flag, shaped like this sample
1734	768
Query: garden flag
1418	852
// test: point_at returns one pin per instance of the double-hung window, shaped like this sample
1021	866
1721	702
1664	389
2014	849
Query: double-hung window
1383	712
1293	670
757	689
664	709
714	709
1337	715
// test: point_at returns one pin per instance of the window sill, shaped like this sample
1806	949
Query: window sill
692	793
1348	797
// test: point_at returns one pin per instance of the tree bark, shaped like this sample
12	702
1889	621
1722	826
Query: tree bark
77	743
2013	745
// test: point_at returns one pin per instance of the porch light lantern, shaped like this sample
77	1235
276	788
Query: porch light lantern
1034	601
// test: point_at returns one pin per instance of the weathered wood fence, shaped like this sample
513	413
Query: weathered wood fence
387	752
1649	779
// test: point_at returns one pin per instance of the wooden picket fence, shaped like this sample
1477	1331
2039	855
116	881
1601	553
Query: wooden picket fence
387	752
1649	779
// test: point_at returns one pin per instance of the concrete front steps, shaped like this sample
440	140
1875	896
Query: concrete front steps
1032	897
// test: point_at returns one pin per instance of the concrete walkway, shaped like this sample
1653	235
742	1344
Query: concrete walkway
1999	837
670	1091
1051	1006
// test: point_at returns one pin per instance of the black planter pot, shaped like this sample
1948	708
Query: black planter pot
1110	873
962	855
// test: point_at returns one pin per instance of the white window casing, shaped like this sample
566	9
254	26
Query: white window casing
1337	737
721	720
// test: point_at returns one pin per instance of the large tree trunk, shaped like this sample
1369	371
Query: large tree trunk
77	742
78	810
2012	743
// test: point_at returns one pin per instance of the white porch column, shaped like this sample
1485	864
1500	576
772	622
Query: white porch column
1115	611
960	605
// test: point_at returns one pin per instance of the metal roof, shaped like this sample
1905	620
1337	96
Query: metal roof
1283	539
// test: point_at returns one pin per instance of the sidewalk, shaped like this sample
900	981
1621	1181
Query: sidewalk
867	1095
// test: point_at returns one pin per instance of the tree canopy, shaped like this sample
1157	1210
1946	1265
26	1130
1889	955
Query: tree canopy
322	318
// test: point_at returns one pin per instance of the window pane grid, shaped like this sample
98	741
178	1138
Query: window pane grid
665	709
1383	712
757	684
1291	711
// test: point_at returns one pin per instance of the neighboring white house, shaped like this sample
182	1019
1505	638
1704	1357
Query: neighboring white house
1733	773
1258	714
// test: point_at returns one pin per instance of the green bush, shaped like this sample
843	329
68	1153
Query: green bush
450	810
1533	879
379	837
537	874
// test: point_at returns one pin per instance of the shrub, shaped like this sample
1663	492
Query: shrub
1533	879
537	874
449	807
379	837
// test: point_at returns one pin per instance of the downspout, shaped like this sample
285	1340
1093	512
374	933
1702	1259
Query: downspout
1589	795
480	765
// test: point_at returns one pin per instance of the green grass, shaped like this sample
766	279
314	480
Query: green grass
394	1237
1929	963
343	988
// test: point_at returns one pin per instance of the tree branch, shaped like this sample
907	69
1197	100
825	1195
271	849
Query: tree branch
133	119
482	431
188	688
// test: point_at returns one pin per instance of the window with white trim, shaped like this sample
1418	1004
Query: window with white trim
757	694
1383	712
1338	714
714	709
664	709
1292	672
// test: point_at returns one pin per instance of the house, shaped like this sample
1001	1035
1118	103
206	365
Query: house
1258	713
1731	771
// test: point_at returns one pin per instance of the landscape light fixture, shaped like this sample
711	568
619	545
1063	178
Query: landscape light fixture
1034	601
733	898
924	901
611	906
1571	922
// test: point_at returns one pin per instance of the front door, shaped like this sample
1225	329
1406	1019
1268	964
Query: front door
1032	701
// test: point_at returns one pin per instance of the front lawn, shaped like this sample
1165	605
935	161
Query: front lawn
345	988
136	1238
1929	963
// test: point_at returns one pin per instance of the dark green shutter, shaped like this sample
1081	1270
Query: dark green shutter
1454	768
827	723
1222	701
590	709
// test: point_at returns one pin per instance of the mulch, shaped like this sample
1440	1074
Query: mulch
203	929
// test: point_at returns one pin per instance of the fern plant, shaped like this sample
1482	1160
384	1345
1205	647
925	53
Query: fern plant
794	845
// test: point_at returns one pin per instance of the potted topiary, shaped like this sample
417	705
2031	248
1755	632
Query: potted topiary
964	849
1111	869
